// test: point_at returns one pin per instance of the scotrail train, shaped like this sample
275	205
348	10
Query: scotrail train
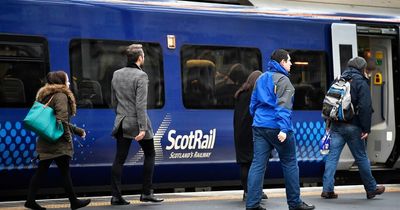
197	54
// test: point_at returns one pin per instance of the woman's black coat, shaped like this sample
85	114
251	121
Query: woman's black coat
242	121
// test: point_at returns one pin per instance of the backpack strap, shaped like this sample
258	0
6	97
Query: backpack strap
344	78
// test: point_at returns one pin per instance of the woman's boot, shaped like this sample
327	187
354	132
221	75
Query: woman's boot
33	205
76	203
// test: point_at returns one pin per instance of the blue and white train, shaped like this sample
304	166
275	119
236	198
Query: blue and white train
197	55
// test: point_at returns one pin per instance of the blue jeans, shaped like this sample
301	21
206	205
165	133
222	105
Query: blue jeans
341	134
266	139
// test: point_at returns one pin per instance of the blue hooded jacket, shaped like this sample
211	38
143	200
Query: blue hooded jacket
360	98
272	99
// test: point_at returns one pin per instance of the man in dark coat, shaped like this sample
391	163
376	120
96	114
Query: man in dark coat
129	88
354	133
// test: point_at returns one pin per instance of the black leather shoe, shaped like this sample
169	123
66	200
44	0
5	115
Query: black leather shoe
264	196
79	203
329	195
303	206
118	201
150	198
257	208
379	190
33	205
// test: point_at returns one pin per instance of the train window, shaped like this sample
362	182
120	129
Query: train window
93	63
24	63
211	75
308	75
346	53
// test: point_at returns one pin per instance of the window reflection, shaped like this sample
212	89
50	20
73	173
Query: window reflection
308	75
93	63
211	75
23	67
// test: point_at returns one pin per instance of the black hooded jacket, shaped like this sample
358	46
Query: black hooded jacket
360	98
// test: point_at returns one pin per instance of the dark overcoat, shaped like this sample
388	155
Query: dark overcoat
242	123
360	98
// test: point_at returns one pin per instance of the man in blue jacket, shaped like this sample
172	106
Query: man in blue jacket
354	133
271	106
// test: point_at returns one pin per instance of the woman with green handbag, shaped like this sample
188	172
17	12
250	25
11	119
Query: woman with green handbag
60	98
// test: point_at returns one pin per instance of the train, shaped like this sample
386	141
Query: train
197	55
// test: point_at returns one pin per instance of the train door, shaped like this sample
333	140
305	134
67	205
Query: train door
344	47
375	45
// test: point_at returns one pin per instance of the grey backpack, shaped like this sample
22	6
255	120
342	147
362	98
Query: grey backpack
337	104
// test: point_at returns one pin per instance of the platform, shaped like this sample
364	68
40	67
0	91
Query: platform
350	197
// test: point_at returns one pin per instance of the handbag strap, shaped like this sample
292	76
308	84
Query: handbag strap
48	101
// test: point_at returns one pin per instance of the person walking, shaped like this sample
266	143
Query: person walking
242	121
353	133
62	101
129	88
271	106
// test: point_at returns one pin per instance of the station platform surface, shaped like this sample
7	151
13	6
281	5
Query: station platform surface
350	197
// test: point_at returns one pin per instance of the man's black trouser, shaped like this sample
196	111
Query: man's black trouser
123	145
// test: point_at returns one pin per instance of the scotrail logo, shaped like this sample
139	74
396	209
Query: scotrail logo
192	144
195	140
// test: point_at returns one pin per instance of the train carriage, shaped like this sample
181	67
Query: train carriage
197	55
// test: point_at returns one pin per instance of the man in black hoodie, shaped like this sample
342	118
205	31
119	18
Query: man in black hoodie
354	133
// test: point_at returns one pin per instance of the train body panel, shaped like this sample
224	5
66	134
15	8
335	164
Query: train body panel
193	141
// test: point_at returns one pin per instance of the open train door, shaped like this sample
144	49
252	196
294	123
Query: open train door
378	46
344	47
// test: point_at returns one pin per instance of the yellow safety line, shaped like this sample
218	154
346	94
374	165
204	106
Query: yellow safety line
207	198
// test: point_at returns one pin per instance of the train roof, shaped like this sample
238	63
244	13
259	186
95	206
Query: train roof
357	10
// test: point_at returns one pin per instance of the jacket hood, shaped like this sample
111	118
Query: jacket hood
352	73
274	66
50	89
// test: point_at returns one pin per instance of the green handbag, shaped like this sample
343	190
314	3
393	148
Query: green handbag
42	120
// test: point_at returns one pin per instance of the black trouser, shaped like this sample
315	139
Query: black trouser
244	173
123	145
63	165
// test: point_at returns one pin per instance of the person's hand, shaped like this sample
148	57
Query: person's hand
327	125
83	134
282	136
140	136
364	135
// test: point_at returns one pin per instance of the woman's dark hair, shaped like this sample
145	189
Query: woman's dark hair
279	55
56	77
249	84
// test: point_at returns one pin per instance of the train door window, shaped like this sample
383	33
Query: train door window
211	75
346	53
308	75
93	63
24	63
